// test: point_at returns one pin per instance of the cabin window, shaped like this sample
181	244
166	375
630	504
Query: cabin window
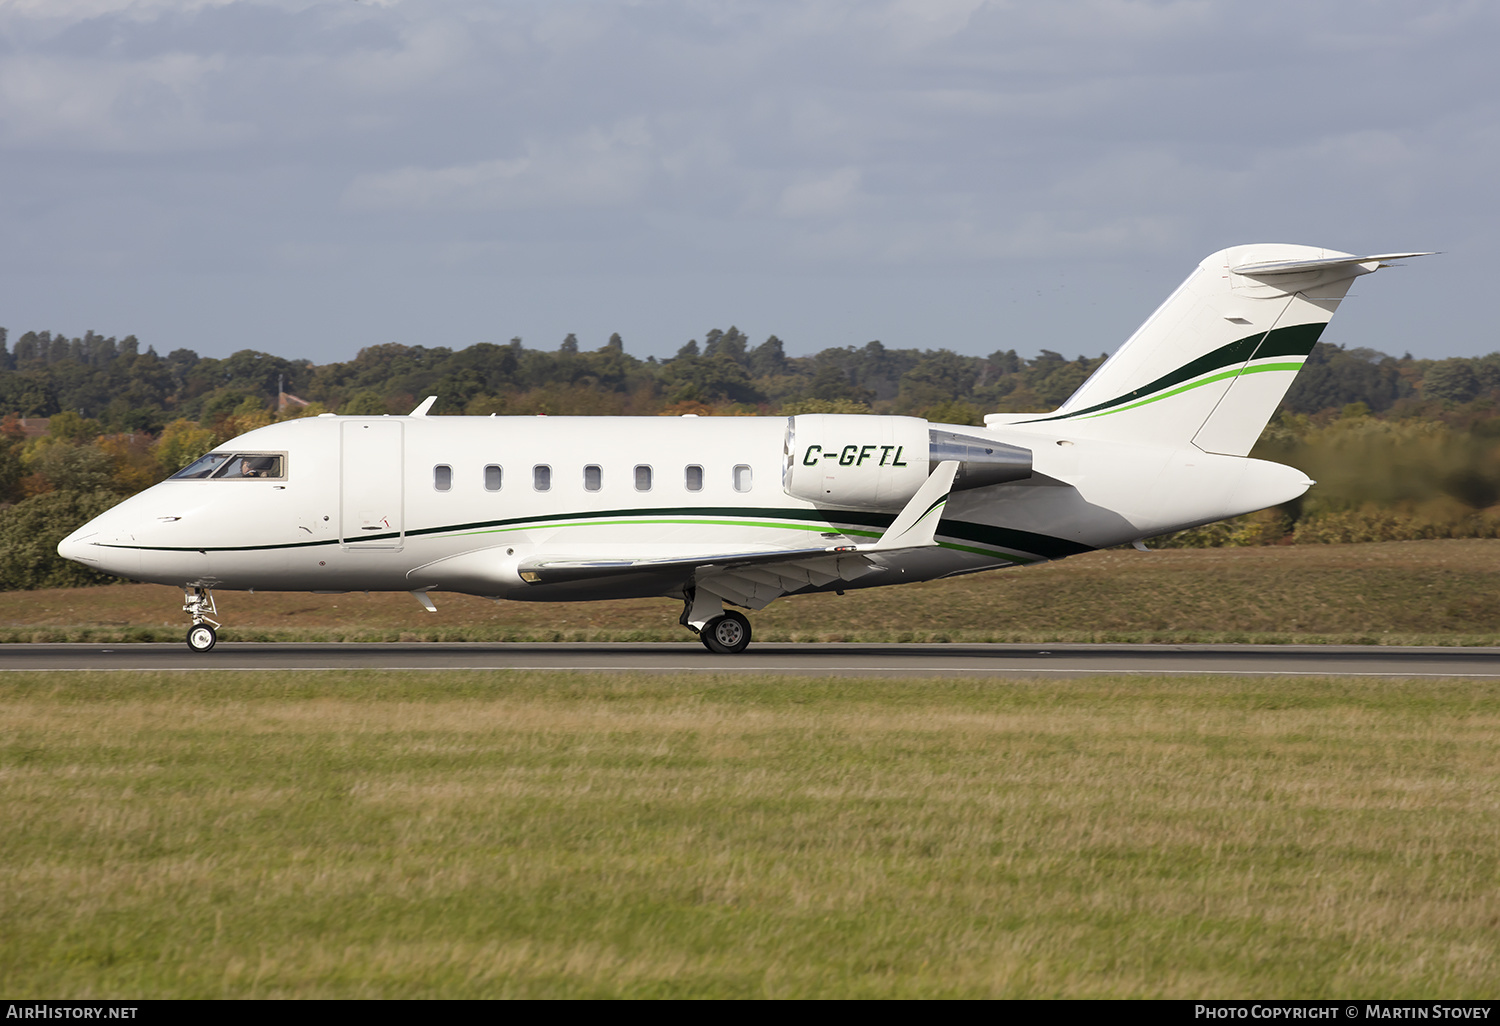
593	477
642	478
237	466
743	478
695	478
442	477
492	478
541	477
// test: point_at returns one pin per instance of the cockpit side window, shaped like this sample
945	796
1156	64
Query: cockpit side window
234	466
251	464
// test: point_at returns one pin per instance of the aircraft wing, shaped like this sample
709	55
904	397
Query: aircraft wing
754	578
751	579
544	570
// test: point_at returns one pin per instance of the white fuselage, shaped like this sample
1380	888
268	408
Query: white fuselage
361	505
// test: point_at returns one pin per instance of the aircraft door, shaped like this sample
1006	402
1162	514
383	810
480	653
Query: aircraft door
371	470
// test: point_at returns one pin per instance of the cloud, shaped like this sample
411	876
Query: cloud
919	23
823	196
598	168
56	11
122	106
692	137
424	54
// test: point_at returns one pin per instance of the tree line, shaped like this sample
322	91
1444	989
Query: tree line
1402	447
124	388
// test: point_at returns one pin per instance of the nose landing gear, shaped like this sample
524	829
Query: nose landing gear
199	604
201	637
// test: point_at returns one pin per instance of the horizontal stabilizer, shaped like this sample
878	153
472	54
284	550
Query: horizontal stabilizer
1271	268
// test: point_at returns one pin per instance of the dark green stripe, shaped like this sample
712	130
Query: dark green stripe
1009	538
929	509
1295	340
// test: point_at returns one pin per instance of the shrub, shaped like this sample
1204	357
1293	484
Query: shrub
1265	527
1372	524
30	531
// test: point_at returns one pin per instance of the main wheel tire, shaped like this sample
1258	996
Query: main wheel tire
727	634
201	637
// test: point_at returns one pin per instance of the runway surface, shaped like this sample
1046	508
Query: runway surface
849	660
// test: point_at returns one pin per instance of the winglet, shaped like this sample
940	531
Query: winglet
421	411
917	525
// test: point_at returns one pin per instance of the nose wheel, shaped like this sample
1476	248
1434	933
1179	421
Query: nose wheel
199	604
727	634
201	637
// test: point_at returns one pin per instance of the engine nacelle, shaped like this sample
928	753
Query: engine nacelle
855	459
880	462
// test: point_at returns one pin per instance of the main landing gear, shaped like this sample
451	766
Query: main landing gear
722	631
727	634
199	604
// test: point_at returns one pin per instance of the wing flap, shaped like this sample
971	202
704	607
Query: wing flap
756	587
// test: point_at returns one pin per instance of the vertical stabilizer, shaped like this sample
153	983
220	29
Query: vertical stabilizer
1211	364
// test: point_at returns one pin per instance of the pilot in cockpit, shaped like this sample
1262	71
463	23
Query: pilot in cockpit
258	466
226	466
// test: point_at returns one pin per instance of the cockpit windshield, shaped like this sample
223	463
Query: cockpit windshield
224	466
203	466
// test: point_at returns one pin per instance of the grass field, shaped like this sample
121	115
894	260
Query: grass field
413	835
1426	592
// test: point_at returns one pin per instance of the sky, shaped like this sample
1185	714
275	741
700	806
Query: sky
308	178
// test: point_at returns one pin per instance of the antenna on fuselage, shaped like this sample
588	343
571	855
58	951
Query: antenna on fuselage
421	411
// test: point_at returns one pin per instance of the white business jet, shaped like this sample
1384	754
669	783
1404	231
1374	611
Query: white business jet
741	511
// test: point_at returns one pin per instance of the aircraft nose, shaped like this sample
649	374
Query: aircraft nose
75	547
96	550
